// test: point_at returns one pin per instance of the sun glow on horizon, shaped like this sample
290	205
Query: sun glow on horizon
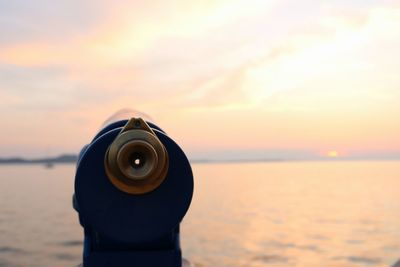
333	154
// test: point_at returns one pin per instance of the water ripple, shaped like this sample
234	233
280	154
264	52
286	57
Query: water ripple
270	258
279	244
66	256
365	260
310	248
361	259
354	241
72	243
288	245
7	249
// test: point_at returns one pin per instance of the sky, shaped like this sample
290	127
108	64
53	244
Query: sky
225	79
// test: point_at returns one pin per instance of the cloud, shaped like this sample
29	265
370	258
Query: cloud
48	21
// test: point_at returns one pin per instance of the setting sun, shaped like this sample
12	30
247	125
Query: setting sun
333	154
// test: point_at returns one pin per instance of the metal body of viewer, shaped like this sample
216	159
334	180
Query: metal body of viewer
133	186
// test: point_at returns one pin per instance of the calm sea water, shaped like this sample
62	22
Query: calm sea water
249	214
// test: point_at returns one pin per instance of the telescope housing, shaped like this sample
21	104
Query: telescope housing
133	186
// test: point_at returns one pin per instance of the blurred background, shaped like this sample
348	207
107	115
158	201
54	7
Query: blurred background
289	111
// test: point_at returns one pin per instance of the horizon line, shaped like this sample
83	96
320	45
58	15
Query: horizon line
72	158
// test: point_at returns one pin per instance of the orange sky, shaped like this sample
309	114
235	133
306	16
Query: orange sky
283	78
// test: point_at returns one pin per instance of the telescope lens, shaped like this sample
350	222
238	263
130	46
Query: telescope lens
138	160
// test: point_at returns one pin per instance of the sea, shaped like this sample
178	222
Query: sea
337	214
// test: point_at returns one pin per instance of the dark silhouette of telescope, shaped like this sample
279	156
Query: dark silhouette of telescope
133	186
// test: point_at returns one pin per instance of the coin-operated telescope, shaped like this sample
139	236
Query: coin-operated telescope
133	186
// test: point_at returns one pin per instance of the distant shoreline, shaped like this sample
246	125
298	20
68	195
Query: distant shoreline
66	158
72	159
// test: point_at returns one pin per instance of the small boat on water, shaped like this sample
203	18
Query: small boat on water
49	165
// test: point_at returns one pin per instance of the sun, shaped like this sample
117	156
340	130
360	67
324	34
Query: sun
333	154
